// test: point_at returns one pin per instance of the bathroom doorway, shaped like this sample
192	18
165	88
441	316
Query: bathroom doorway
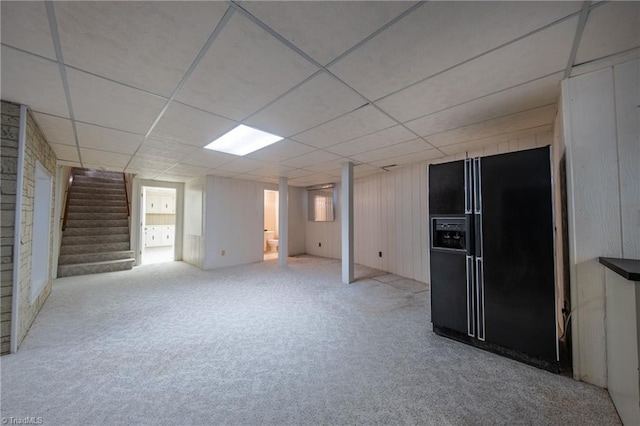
270	243
158	224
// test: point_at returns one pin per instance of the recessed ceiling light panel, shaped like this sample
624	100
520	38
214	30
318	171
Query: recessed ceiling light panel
243	140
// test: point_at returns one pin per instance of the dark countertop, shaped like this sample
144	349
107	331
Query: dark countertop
628	268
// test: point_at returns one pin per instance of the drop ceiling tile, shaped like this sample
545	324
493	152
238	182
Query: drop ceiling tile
493	140
310	158
330	166
537	93
222	173
101	166
508	124
102	102
409	147
358	123
187	125
168	177
280	151
297	173
324	30
149	165
104	158
244	69
96	137
32	81
68	163
241	165
149	45
65	152
56	129
272	170
611	28
25	25
319	100
407	159
188	170
440	35
390	136
606	62
207	158
541	54
165	149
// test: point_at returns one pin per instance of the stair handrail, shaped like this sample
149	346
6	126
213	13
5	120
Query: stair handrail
126	193
66	202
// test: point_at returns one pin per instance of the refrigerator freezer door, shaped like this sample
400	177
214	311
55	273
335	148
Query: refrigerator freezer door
449	290
518	252
446	189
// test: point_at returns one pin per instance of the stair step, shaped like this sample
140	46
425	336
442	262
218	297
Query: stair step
88	179
72	259
97	173
94	196
108	183
95	267
85	232
97	209
97	189
96	216
94	248
95	202
94	223
73	240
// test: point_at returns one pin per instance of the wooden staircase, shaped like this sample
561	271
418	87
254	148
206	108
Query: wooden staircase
95	236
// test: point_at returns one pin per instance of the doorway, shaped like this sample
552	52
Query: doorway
270	243
158	224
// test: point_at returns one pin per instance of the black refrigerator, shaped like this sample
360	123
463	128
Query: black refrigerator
492	254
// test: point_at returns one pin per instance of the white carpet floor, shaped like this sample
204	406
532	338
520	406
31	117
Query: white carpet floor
258	344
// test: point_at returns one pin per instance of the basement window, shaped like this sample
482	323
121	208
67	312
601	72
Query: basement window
321	206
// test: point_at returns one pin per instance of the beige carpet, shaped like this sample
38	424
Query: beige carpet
258	344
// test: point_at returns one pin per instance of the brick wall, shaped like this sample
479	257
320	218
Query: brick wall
9	155
36	148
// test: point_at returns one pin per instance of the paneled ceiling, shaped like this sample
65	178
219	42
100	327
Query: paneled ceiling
142	87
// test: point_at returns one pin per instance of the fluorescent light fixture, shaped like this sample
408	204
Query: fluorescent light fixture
243	140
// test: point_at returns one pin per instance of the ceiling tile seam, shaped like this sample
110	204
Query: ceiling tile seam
175	101
237	6
383	111
582	22
377	32
53	26
90	124
297	86
357	137
308	129
473	58
623	52
350	157
491	119
499	134
120	83
17	49
216	31
484	96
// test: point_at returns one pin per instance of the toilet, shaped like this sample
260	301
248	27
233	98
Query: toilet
270	243
273	245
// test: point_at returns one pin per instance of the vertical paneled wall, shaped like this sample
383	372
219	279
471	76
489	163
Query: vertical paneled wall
391	211
603	185
324	238
297	220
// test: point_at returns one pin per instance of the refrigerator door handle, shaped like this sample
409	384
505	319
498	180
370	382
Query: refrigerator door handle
468	190
477	185
471	329
480	297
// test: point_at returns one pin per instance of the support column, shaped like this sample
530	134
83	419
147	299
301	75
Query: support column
347	223
283	222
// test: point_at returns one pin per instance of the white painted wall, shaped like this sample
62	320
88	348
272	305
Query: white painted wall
297	220
603	184
194	241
